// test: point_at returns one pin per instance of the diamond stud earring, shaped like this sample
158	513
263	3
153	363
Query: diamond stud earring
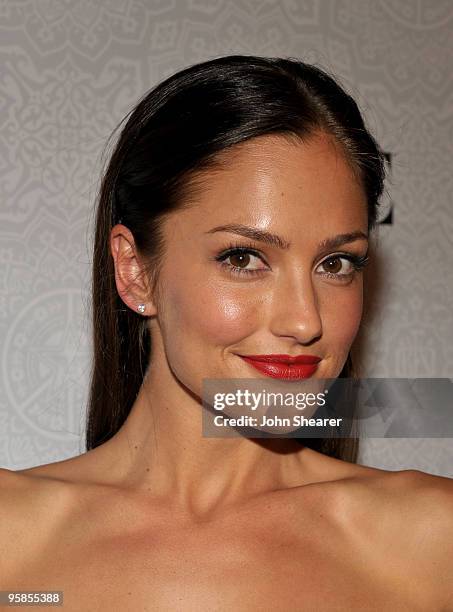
141	308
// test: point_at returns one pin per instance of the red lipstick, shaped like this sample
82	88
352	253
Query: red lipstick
284	366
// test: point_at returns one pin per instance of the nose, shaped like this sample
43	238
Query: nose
295	310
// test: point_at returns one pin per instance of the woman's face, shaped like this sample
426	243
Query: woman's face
287	295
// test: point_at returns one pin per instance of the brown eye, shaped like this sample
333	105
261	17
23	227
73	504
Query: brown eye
240	260
340	267
333	265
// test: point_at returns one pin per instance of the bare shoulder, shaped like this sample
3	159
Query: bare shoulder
407	496
20	493
409	515
30	507
396	526
24	493
49	489
359	490
425	497
428	500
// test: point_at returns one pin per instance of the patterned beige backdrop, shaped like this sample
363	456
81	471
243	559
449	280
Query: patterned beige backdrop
70	70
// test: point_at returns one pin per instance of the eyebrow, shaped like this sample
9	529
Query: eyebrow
274	240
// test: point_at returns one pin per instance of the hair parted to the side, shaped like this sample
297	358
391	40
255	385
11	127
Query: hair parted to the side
178	130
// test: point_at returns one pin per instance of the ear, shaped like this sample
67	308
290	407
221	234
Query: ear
131	282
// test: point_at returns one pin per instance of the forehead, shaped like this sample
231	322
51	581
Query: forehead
281	183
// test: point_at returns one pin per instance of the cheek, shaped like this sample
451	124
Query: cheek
207	315
197	323
343	316
224	318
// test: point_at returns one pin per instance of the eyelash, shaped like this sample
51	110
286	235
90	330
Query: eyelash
358	262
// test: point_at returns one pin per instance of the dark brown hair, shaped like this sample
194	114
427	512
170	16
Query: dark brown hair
176	131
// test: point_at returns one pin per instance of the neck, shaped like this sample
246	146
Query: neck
160	450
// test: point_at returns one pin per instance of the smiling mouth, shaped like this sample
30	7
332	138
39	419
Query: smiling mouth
284	367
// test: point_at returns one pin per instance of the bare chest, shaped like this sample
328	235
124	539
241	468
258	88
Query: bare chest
241	567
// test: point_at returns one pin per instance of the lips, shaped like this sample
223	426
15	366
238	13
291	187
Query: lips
284	366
